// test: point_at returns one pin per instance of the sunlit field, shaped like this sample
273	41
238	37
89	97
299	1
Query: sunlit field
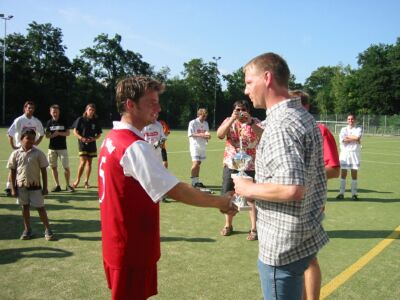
196	262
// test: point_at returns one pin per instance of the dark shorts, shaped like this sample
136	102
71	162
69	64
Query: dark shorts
164	154
87	149
131	283
227	181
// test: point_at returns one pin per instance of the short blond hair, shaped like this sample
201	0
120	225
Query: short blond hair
202	111
273	63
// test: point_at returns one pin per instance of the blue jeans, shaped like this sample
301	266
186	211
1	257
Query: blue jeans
283	282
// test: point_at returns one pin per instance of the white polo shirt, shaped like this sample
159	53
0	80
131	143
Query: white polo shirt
21	123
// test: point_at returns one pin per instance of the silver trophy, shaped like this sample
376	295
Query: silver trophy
240	162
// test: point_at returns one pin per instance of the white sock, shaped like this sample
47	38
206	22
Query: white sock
354	187
342	186
195	180
8	185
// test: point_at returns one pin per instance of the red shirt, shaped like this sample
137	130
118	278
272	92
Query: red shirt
331	156
129	218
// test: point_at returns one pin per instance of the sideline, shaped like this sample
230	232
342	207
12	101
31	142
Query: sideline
336	282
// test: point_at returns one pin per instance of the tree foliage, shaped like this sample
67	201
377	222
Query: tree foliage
38	69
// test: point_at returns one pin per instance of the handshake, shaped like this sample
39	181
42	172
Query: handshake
159	143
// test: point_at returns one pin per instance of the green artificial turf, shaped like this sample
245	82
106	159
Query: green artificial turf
196	262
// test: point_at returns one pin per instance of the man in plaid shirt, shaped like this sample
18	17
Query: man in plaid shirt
290	188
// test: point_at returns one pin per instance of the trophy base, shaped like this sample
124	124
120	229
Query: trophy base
244	208
241	204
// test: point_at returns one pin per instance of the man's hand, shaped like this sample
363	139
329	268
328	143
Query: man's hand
243	185
229	207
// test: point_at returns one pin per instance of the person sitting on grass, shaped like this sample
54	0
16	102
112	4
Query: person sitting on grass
26	164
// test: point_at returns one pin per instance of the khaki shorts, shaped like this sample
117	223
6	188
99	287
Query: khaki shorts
53	156
30	197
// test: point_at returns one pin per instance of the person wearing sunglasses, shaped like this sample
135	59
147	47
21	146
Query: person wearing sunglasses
242	133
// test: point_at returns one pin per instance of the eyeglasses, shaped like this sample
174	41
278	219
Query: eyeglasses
240	109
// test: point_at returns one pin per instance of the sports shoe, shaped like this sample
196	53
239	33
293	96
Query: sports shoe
354	198
199	185
70	189
340	197
8	192
56	189
26	234
48	234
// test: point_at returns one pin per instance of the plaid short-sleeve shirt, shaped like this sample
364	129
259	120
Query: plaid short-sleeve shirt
290	153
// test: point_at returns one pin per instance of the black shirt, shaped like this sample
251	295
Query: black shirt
58	142
87	127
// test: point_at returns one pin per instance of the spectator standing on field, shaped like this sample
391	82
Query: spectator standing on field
164	153
312	275
132	181
240	130
87	130
290	188
26	121
154	135
57	131
350	155
26	164
198	133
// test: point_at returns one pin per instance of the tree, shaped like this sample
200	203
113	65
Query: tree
319	86
378	77
175	103
200	80
39	69
110	62
293	85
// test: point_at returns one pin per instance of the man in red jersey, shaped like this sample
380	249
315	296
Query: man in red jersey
312	276
132	181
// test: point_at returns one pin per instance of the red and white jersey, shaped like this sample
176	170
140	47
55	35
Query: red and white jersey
131	183
153	133
196	126
21	123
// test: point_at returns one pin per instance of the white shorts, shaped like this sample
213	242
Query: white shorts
198	153
53	156
350	160
32	197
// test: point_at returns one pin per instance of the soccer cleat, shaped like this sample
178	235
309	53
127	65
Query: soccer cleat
340	197
354	198
26	234
8	192
56	189
70	189
48	235
199	185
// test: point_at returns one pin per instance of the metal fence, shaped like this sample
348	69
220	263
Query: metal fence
373	125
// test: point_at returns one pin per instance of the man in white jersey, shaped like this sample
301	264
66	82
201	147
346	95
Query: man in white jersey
350	153
20	124
154	134
198	133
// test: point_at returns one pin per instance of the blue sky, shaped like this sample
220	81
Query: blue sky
308	34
